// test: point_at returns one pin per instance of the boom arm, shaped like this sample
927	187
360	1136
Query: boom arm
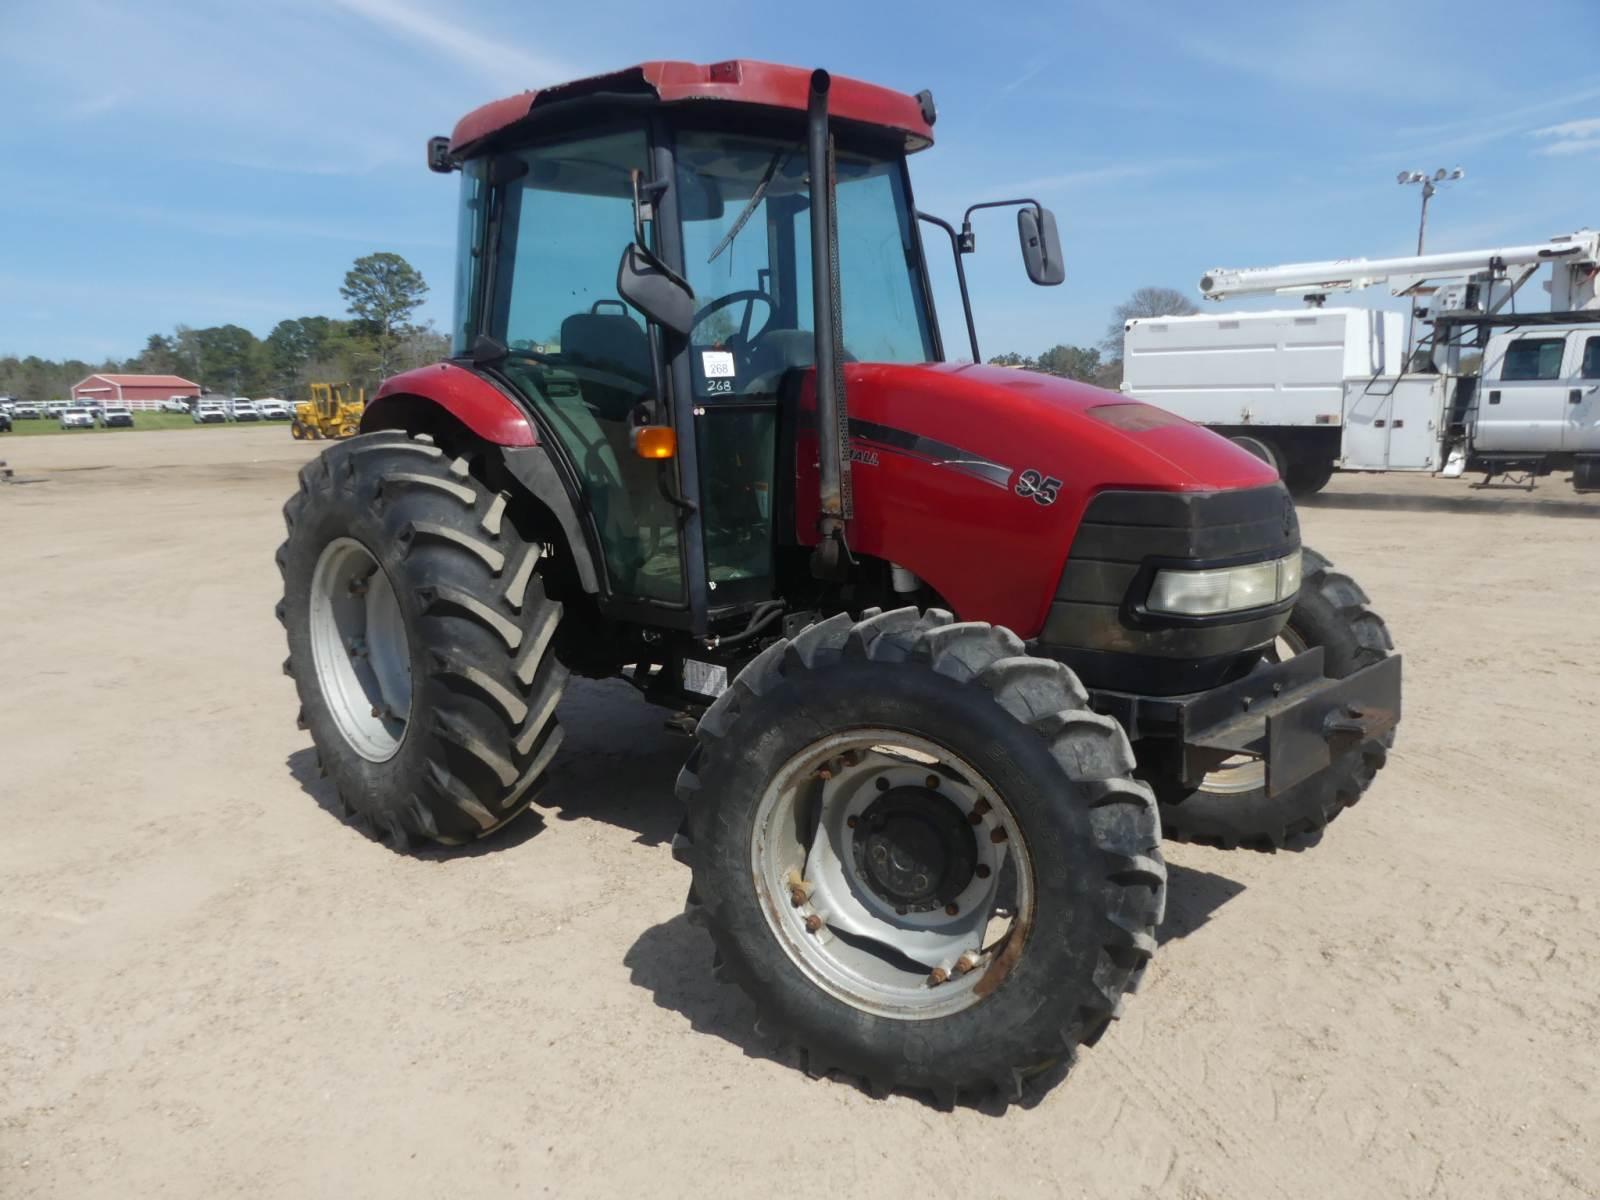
1575	257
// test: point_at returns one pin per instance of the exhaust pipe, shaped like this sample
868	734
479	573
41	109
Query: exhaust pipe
833	428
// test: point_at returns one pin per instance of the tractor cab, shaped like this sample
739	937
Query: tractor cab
670	383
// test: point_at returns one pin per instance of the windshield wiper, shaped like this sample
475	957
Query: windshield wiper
778	159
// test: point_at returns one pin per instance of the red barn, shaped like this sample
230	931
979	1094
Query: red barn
133	391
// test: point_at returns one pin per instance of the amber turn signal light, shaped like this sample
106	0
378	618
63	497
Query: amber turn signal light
655	441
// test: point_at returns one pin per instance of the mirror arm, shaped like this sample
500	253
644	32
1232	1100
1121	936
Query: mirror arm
646	192
961	275
969	242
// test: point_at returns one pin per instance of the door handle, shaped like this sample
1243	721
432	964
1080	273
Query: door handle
1494	397
1575	396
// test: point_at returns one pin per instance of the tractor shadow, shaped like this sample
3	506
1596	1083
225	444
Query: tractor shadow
617	764
1482	503
672	961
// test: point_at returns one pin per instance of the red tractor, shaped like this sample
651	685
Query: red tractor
960	642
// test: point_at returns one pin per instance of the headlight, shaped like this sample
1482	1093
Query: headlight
1225	589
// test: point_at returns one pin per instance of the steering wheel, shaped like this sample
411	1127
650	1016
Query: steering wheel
741	341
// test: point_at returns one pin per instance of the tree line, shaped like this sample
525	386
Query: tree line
1101	365
382	291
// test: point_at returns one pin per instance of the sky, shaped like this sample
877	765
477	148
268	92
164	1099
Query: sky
202	162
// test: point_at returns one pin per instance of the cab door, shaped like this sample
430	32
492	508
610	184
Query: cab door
1582	432
1523	397
563	212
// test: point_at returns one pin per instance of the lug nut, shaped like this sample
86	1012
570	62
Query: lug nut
797	896
358	587
997	834
850	822
813	923
933	781
983	871
966	962
937	976
883	784
952	909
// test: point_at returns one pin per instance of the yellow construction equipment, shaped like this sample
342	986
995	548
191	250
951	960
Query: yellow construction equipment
334	411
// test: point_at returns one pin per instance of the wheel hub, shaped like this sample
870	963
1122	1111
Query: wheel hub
895	874
359	649
917	851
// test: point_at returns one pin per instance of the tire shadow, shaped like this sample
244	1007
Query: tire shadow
302	765
1193	898
617	764
672	961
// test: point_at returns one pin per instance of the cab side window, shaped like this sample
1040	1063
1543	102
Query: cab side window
1533	358
1591	359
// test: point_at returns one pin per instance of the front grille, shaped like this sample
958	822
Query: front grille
1093	623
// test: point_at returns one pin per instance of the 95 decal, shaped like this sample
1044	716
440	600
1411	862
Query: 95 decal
1037	486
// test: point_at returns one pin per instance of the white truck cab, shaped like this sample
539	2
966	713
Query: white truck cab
1539	392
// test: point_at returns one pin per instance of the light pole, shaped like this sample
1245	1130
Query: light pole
1430	185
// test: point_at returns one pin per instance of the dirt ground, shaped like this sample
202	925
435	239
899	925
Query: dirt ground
210	986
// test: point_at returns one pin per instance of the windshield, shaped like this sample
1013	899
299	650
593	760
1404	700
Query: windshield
746	217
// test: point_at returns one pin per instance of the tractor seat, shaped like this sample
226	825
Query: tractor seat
609	342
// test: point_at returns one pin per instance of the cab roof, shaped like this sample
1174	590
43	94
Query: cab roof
739	81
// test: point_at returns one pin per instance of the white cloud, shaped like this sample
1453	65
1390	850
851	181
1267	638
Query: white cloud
1570	137
1065	181
1587	127
493	57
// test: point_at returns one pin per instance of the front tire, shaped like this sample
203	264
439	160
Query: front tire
875	956
419	636
1232	809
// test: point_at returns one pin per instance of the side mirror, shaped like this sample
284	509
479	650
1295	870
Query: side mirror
662	295
1041	246
439	160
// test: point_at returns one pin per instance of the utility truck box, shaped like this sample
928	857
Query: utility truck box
1284	367
1394	423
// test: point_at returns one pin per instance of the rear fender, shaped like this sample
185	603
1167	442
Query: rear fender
433	398
467	396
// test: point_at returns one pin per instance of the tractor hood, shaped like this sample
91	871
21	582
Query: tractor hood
1024	420
955	468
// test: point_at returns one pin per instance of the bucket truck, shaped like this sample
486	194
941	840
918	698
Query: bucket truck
1311	390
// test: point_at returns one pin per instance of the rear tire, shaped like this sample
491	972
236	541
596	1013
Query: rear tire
1063	801
1263	449
1308	478
465	621
1332	613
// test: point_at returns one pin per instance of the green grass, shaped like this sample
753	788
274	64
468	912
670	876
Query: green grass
141	421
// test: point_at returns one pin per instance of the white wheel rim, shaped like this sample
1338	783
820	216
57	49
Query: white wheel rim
914	961
1247	772
360	650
